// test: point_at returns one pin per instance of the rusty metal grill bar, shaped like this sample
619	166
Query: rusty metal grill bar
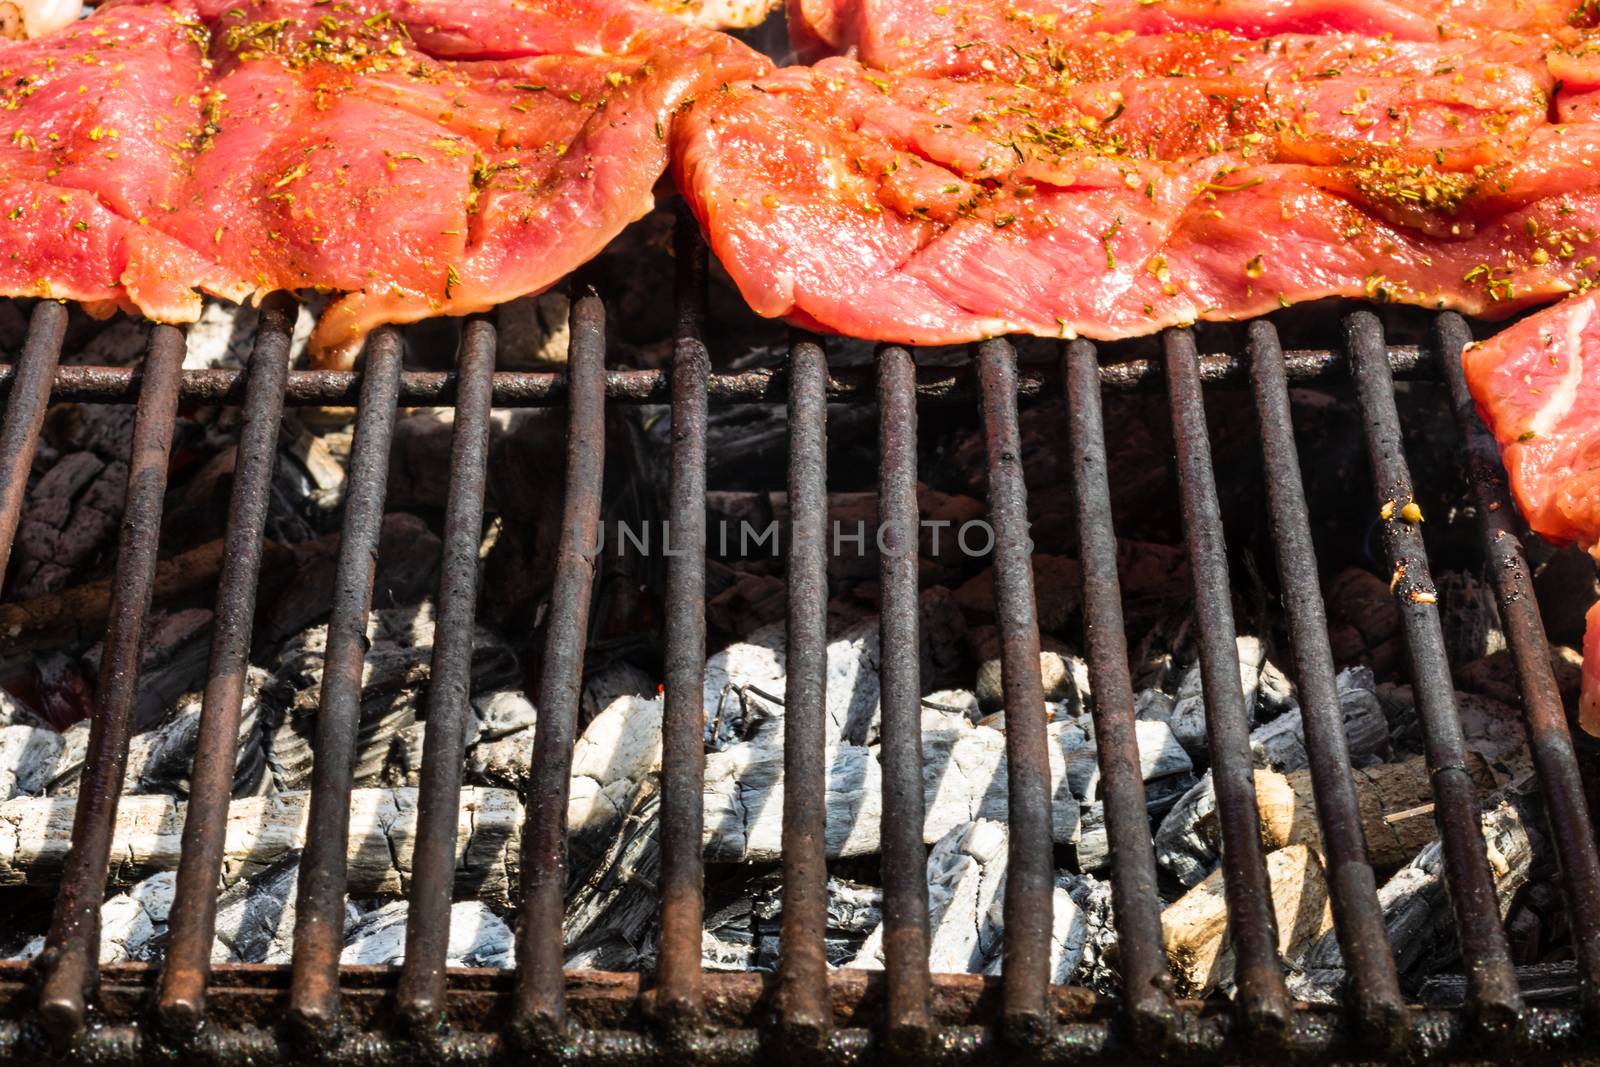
422	983
540	1007
1493	996
71	958
181	999
1358	917
602	1002
319	908
1030	868
804	1014
520	389
905	882
679	1002
1263	998
24	417
1146	984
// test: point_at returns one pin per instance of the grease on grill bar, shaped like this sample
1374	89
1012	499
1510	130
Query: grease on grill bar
836	1016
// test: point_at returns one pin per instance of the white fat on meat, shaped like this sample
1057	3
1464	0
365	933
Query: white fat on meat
1565	393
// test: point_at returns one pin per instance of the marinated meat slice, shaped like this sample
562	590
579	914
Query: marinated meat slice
1034	53
930	211
101	119
1537	386
291	144
927	36
66	244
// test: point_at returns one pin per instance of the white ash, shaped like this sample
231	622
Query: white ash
954	702
744	802
28	757
503	712
966	894
618	749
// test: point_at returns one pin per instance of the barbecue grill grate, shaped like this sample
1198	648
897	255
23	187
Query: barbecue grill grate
234	1014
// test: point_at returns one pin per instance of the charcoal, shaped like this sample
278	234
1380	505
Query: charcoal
1541	983
14	712
33	632
853	910
1395	802
1057	591
1194	928
612	905
132	924
532	331
69	520
1187	716
1320	986
1280	744
1064	676
175	652
407	571
160	761
393	696
478	937
1187	845
966	894
308	482
1491	729
749	602
1469	615
603	686
1415	900
1495	676
1093	845
255	915
28	758
1098	969
35	831
743	681
1566	584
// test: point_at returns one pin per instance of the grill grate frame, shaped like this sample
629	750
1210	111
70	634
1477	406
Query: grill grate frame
231	1014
